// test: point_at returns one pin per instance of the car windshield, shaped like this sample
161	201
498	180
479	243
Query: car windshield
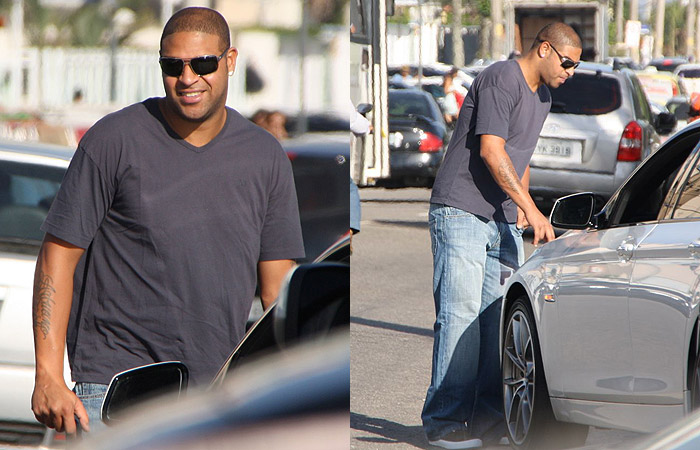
587	94
410	104
26	193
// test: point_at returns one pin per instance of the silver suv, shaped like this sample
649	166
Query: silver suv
599	129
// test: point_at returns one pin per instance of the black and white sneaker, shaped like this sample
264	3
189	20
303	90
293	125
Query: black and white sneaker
457	440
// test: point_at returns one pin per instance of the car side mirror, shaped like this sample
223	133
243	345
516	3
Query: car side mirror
314	301
665	122
142	383
573	211
364	108
679	106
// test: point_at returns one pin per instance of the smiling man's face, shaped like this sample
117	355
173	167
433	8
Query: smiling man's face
191	97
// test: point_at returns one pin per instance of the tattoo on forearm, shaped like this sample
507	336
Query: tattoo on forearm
43	302
507	173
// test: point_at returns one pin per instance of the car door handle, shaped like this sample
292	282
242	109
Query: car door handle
694	248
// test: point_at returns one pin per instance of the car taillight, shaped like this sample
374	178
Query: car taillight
429	142
630	148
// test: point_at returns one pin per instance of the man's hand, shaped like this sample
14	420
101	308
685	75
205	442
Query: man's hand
56	406
53	403
541	226
498	162
522	222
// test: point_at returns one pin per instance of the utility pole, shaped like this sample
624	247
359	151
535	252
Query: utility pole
457	42
619	21
420	42
690	29
696	49
497	30
302	126
17	30
634	9
659	29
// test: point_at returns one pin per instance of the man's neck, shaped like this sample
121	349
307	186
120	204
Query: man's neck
528	65
198	134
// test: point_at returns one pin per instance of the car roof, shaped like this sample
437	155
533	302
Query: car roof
596	67
36	153
657	75
686	67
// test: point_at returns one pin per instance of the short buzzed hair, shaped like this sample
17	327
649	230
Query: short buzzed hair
559	34
199	19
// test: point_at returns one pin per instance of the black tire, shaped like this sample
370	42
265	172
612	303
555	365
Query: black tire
694	368
530	422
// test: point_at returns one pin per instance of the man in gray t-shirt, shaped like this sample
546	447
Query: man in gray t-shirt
479	207
170	212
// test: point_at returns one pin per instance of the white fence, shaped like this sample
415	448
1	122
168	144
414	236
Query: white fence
404	43
51	76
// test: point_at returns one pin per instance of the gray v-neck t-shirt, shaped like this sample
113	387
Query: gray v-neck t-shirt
174	233
499	103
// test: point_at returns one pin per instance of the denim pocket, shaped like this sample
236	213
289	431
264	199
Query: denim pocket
517	231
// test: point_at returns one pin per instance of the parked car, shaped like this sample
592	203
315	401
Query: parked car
600	326
30	175
668	64
618	62
417	137
298	400
661	87
689	76
307	387
599	129
321	165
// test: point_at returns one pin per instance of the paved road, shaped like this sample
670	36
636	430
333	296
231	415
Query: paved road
391	323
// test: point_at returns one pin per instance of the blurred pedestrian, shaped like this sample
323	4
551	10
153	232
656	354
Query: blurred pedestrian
259	117
450	103
403	77
169	213
479	207
359	126
694	108
274	122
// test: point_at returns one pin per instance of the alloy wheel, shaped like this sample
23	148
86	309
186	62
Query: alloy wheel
518	377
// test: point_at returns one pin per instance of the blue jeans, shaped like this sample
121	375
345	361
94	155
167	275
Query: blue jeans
92	395
472	259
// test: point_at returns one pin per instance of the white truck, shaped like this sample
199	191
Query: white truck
524	18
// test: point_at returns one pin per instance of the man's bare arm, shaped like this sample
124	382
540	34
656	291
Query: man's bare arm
522	222
270	277
493	152
53	403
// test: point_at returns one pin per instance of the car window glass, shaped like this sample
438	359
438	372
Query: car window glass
641	104
407	105
588	94
26	193
688	205
645	196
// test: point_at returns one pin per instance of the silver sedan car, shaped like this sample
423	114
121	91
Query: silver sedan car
600	326
598	131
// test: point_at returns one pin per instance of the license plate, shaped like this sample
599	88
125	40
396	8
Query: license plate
558	149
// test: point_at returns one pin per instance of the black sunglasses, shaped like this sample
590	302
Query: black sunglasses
566	62
201	65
